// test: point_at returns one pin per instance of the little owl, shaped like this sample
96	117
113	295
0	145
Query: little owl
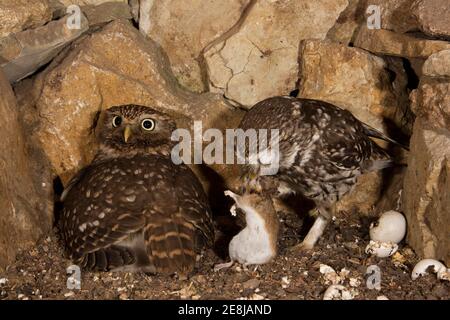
323	149
132	209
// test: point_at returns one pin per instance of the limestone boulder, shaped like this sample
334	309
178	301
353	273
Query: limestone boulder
426	192
185	28
433	17
22	53
91	76
88	2
25	190
347	77
348	23
387	42
18	15
106	12
259	58
438	65
395	15
431	101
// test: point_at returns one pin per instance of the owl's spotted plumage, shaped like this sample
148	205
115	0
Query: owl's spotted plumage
133	209
323	150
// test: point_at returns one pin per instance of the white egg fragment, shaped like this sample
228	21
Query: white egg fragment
338	292
381	249
329	274
354	282
391	227
423	266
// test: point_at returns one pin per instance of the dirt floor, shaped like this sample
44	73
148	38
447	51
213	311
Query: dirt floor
41	272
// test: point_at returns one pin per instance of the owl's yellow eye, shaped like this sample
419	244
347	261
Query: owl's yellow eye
148	124
117	121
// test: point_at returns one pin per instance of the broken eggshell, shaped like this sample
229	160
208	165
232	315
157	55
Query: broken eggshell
391	227
422	267
381	249
337	292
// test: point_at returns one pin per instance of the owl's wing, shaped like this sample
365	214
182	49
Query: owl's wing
372	132
179	219
73	181
98	211
111	201
346	143
194	204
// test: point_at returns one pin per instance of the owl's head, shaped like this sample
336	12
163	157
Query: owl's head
127	128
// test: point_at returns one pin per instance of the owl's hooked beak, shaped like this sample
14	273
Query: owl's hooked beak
127	133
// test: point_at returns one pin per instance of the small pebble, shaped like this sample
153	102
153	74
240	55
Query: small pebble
251	284
256	296
123	296
354	282
285	282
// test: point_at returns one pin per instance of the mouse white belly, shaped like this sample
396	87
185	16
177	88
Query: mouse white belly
254	244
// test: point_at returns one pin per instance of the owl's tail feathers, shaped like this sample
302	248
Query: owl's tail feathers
171	245
106	259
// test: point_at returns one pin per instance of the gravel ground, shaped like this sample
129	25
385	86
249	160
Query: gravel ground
40	273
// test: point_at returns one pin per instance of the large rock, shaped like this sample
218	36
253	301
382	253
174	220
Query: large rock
426	193
18	15
396	15
390	43
97	12
433	17
21	54
348	77
259	59
24	191
437	65
91	76
185	28
88	2
106	12
431	101
348	23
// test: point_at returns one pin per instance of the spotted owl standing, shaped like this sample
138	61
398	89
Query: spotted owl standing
132	209
323	149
